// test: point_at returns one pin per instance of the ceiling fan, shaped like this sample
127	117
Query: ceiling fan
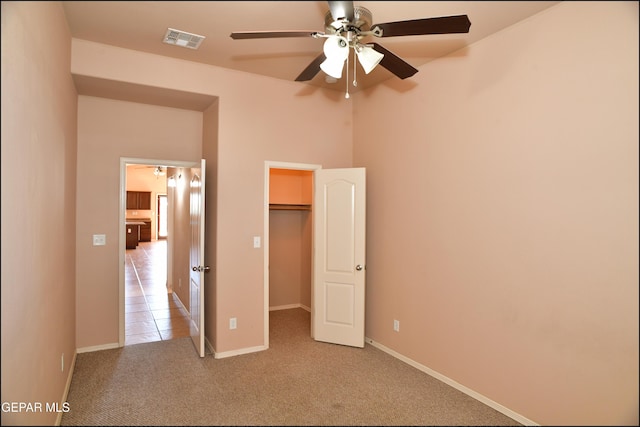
157	170
346	25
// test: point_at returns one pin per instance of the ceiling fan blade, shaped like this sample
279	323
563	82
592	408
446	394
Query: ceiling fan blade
271	34
341	9
394	64
416	27
312	69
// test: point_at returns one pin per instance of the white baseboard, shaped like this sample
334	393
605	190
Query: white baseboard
98	347
283	307
289	306
506	411
67	387
238	352
209	346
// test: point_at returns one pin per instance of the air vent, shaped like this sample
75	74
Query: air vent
182	38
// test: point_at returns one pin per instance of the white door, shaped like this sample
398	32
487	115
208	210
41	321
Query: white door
196	256
339	256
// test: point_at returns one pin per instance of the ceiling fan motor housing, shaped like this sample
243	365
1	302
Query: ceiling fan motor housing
362	20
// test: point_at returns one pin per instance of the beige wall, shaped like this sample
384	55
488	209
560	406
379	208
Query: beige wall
290	238
289	258
211	127
179	235
107	131
504	186
38	209
503	181
280	125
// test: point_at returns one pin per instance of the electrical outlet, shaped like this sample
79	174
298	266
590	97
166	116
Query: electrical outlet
256	241
396	325
233	323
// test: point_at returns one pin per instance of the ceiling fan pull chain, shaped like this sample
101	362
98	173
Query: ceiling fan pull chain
346	95
355	82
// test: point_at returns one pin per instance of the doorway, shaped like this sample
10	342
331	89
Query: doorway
337	295
288	215
151	165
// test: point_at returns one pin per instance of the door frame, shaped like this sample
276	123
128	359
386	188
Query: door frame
124	161
268	165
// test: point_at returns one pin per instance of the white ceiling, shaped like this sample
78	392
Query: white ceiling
141	25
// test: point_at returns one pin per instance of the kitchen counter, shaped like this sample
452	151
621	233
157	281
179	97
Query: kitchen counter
133	233
138	230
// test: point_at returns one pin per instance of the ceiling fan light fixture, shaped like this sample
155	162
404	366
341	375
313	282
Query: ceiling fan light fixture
332	67
336	50
368	57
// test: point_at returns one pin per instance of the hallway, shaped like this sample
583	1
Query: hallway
151	313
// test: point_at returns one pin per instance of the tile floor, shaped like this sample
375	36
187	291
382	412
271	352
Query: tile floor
151	313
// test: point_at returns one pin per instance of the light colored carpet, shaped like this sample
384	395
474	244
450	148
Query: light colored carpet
297	381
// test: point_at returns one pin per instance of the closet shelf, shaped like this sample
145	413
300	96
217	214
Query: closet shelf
289	207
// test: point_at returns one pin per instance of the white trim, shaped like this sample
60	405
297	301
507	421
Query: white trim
124	161
477	396
284	307
182	305
239	352
67	386
98	347
208	344
289	306
268	165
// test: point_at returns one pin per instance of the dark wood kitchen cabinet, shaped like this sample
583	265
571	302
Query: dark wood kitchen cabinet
132	229
139	200
133	232
138	230
132	200
145	231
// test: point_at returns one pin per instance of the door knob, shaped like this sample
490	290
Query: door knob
200	268
358	267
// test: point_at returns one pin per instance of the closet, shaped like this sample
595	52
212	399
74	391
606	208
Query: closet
290	234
